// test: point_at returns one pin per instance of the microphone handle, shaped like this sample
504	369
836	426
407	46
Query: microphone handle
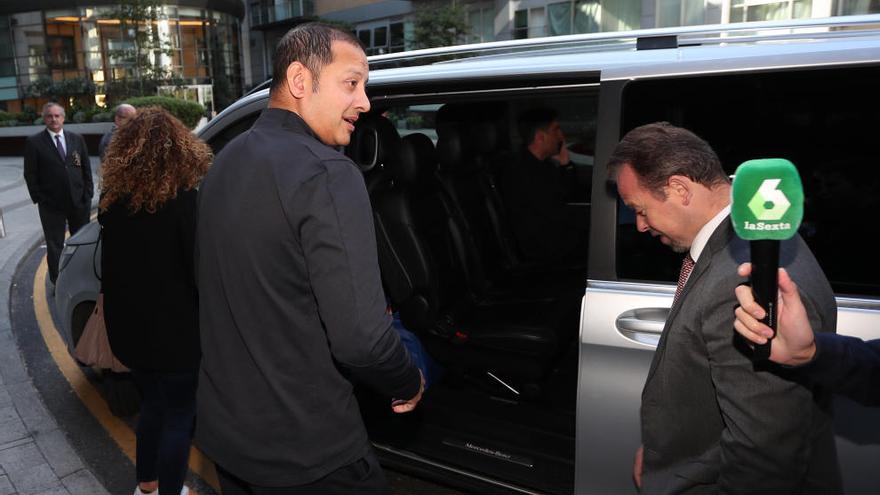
765	265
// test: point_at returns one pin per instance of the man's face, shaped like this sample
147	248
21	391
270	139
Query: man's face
54	118
659	217
552	138
341	96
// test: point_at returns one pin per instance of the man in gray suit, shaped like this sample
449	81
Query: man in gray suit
712	420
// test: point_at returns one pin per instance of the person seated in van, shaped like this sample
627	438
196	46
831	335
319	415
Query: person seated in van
536	187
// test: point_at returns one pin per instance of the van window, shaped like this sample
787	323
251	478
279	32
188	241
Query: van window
229	133
478	149
824	120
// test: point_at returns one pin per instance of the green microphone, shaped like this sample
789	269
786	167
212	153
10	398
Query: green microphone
767	207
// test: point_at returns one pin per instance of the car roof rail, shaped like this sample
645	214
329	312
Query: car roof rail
653	38
656	42
259	87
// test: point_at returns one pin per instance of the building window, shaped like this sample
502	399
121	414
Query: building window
680	13
482	24
537	22
398	37
365	38
379	38
559	18
269	11
61	52
531	23
97	45
521	24
587	16
857	7
573	17
758	10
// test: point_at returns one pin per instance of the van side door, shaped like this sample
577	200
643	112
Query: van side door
815	117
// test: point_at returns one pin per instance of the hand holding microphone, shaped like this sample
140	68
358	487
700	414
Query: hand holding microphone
767	207
795	343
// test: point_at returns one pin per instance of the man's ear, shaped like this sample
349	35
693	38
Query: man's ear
682	188
298	77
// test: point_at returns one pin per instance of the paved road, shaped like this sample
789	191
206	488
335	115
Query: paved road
35	454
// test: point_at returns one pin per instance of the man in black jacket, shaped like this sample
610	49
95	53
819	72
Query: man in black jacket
291	301
536	187
59	180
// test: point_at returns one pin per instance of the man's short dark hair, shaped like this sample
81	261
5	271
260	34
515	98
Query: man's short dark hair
660	150
533	120
310	45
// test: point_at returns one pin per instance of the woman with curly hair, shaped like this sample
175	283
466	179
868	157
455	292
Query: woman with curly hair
148	214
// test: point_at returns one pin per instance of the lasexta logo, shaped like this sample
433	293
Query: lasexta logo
769	202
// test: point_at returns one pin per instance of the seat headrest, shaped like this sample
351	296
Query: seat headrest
413	161
483	137
423	148
450	150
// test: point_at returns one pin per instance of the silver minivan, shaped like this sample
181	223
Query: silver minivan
545	360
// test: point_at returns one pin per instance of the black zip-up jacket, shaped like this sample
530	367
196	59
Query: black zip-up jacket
291	303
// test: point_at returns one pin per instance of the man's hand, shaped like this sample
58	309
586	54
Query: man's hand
561	158
405	406
794	343
637	466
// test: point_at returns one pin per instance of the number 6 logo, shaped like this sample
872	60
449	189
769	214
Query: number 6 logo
769	203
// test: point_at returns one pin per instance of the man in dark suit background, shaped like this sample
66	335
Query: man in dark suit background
59	179
712	421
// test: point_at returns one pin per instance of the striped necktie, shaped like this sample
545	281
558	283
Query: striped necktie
687	266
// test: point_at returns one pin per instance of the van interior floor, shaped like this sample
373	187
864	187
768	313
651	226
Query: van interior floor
463	422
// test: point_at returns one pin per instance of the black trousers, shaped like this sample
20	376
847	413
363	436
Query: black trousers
363	477
54	222
165	425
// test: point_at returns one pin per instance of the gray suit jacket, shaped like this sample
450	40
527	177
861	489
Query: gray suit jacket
714	422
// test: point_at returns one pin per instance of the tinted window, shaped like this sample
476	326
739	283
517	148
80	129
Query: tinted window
824	121
229	133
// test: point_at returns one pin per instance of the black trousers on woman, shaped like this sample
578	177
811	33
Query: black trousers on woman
165	426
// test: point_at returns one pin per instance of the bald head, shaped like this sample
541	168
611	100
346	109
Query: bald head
124	113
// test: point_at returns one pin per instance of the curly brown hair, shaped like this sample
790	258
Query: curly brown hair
150	159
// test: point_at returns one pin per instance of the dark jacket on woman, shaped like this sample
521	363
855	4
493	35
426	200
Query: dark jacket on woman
151	305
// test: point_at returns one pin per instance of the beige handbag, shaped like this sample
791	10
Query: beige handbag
93	348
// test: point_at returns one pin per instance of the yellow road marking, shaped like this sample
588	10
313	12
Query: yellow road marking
118	430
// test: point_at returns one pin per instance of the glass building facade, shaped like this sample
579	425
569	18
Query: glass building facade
110	44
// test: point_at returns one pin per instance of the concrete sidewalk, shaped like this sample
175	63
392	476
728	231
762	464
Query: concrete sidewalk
35	455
